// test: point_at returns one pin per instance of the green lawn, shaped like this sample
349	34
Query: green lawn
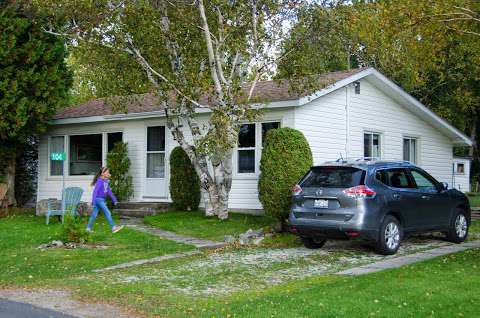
198	225
22	263
474	200
443	287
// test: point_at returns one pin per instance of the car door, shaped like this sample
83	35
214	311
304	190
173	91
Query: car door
401	196
434	206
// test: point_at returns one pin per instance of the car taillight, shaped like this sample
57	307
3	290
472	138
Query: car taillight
296	190
361	191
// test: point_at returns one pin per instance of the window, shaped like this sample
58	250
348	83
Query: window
423	181
460	168
246	149
410	149
334	177
85	154
250	144
112	139
57	145
156	152
371	145
266	127
396	178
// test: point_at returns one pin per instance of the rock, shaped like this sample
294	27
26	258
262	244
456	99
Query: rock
56	243
229	239
258	240
42	206
83	208
251	237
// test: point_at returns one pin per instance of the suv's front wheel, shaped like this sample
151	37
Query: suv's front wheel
390	236
458	228
310	242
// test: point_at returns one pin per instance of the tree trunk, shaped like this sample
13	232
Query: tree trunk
10	178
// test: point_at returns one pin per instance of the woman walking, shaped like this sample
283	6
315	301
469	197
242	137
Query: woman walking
100	181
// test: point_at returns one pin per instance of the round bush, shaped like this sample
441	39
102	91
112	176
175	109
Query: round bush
286	157
184	182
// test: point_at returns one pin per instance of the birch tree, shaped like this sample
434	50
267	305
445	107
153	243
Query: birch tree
194	56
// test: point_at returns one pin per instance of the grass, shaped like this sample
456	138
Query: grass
196	224
443	287
474	200
23	263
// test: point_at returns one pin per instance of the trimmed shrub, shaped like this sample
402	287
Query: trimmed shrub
286	157
184	182
118	163
74	230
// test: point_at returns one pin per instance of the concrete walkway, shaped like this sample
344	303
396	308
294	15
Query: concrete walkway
147	261
409	259
138	225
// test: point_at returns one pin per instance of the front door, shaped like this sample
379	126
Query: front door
155	185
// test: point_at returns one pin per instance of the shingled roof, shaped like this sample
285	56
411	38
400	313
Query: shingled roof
272	91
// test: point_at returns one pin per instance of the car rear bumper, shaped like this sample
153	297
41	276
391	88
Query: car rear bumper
332	229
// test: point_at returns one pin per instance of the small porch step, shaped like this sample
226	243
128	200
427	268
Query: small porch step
141	209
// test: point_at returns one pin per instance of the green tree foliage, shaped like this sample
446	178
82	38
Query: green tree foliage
184	182
286	157
119	165
430	48
187	55
34	80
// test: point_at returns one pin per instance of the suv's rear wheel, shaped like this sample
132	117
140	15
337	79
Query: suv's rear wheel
458	227
390	236
310	242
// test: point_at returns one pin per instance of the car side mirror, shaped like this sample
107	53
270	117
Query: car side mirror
443	186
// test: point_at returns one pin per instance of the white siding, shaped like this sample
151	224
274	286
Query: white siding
372	110
461	181
244	194
334	125
323	122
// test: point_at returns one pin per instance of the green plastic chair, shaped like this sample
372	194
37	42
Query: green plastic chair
70	200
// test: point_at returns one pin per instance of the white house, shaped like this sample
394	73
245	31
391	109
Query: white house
361	113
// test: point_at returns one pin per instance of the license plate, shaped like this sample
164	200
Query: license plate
322	204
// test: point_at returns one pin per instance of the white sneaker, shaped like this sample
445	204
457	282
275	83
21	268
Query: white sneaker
117	228
89	230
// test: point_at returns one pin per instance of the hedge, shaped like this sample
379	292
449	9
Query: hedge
184	182
286	157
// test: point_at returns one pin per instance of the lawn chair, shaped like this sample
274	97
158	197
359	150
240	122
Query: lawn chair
70	200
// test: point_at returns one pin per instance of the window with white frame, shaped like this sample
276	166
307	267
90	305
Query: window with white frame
371	145
250	144
57	145
86	153
246	148
410	149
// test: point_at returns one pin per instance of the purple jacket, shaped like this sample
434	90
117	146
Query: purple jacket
101	189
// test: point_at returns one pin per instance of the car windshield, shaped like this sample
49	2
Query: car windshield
333	177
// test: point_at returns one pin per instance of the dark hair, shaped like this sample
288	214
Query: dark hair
98	174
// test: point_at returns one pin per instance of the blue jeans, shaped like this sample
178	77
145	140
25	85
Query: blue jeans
100	204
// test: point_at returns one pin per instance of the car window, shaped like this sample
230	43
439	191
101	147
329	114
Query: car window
333	177
396	178
422	181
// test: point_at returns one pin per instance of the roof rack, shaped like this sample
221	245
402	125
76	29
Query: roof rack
367	160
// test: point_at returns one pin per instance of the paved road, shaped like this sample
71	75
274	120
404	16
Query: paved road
13	309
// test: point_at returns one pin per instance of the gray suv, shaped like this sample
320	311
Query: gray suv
378	201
